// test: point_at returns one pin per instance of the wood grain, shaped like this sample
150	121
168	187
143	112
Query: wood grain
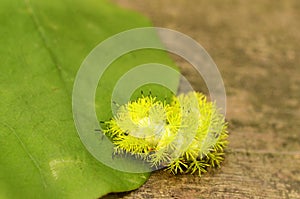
256	46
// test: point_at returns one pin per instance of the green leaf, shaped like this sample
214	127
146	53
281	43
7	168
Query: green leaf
42	46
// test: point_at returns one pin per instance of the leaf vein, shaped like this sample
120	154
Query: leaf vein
33	160
40	31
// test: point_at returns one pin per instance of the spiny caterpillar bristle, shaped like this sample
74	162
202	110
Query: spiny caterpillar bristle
187	135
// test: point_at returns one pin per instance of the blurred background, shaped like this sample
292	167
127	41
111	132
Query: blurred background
256	46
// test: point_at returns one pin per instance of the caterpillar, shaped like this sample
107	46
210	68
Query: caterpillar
185	135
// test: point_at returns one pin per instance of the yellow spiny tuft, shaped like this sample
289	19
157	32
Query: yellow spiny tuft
186	135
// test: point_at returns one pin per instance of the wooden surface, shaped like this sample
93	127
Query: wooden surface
256	45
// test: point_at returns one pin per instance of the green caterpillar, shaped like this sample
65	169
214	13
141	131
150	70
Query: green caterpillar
187	135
